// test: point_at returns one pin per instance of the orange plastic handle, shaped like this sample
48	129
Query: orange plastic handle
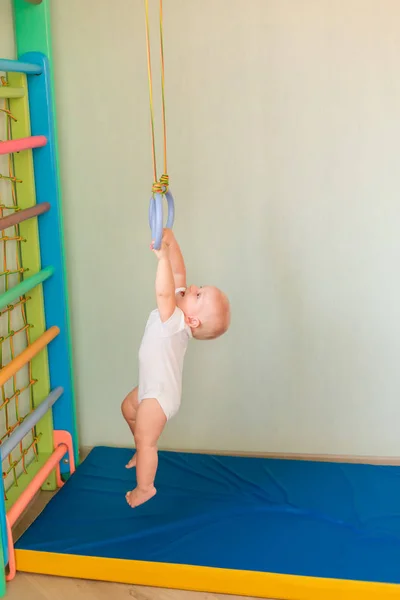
26	355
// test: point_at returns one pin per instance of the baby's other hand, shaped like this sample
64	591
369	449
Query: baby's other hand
168	236
162	252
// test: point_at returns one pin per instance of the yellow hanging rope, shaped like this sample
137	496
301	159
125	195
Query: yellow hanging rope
159	185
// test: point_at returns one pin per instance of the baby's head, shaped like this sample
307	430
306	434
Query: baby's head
206	310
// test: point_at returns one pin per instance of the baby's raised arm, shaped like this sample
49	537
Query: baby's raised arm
176	259
165	285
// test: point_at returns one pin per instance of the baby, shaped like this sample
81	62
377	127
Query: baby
183	312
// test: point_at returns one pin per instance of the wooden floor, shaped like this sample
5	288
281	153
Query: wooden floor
40	587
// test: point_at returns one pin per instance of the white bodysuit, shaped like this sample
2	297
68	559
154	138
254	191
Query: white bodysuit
161	356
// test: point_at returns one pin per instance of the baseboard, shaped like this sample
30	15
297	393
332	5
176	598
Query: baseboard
341	458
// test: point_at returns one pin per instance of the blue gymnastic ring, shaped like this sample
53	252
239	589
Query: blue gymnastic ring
156	216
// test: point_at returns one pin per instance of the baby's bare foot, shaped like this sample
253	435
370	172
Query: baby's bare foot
137	496
132	462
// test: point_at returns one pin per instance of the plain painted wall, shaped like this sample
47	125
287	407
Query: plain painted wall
284	128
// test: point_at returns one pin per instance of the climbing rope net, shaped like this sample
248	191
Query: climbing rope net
16	396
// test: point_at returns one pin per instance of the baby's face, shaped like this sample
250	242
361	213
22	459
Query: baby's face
198	302
206	311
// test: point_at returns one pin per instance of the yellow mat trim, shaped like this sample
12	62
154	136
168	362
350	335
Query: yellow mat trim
202	579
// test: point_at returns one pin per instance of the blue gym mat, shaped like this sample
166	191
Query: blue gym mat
338	521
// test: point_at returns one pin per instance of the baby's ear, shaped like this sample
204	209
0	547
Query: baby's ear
193	322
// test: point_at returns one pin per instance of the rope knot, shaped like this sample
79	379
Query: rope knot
164	180
157	188
161	187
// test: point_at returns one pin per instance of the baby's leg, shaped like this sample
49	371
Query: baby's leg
129	409
150	422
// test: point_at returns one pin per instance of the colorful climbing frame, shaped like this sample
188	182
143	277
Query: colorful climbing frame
38	434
